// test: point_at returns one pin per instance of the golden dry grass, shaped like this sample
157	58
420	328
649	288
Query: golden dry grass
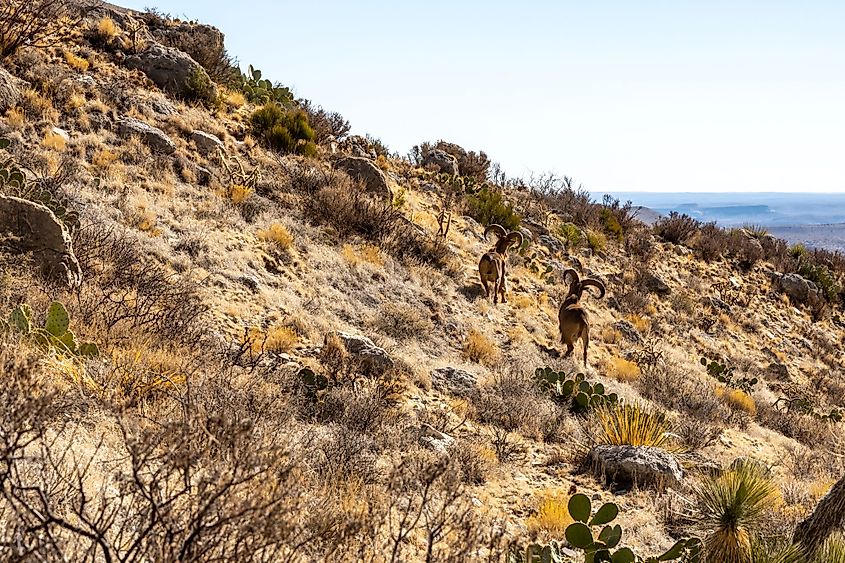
277	235
15	118
277	338
737	399
107	29
479	349
365	253
76	62
552	516
234	99
54	141
624	370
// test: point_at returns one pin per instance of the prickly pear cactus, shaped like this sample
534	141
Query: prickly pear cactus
21	318
57	321
55	333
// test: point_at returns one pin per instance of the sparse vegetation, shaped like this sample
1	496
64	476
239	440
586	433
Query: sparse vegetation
263	361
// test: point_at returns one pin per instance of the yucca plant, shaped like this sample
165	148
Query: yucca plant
833	550
730	507
633	425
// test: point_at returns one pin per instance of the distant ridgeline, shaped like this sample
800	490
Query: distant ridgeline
817	220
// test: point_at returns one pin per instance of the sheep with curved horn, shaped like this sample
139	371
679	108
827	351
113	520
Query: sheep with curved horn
493	265
574	323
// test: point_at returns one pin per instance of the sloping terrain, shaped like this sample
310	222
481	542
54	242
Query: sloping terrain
292	365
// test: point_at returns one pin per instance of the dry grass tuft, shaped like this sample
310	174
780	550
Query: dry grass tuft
737	399
278	235
277	339
633	425
15	118
552	516
480	349
624	370
54	141
368	253
76	62
107	29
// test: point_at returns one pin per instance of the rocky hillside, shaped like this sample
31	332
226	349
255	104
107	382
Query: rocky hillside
235	332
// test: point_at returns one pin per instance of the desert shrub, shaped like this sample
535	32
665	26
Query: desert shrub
37	23
611	225
675	390
200	88
676	228
474	459
596	241
805	428
403	321
616	217
286	131
325	124
639	244
480	349
561	196
124	289
710	243
512	402
570	233
352	212
488	206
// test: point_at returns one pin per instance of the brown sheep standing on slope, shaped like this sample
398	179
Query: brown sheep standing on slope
493	265
574	323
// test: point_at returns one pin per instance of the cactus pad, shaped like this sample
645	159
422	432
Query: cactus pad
58	320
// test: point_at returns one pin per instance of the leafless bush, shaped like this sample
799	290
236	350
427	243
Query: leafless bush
676	228
38	23
674	389
508	448
639	244
123	288
514	402
355	212
326	124
710	243
807	429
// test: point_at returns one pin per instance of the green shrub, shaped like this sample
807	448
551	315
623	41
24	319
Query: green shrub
596	241
570	233
798	250
488	207
824	280
676	228
200	87
284	131
611	224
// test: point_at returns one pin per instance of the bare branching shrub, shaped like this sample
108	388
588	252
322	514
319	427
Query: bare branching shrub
124	289
674	389
326	124
639	244
404	321
514	402
710	243
38	23
357	213
508	447
676	228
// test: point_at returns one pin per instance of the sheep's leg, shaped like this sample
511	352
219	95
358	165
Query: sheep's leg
484	285
585	336
504	283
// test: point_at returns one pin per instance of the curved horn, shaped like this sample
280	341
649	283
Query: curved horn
574	274
498	229
516	235
586	282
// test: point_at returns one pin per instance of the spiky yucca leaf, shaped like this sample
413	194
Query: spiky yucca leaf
833	550
730	507
633	425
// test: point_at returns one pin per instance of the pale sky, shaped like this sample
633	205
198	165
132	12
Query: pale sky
621	95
